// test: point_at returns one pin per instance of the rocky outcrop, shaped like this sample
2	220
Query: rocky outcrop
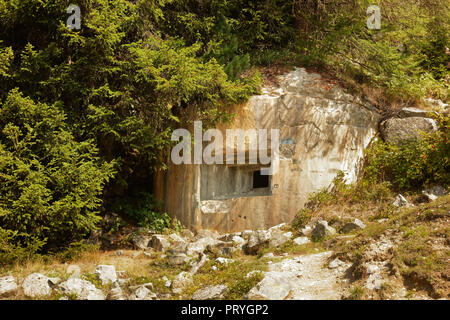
398	130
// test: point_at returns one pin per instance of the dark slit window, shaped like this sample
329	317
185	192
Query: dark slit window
259	180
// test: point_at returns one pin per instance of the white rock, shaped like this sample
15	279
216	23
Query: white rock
36	285
142	293
181	281
335	263
210	292
159	242
199	245
106	274
400	201
301	240
274	286
223	261
83	289
434	192
238	241
8	285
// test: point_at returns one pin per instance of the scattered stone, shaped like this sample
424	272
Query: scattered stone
238	241
36	285
278	238
187	234
257	240
83	289
375	280
307	230
177	259
301	241
223	261
140	241
211	292
198	265
181	281
159	242
116	292
351	226
434	193
206	234
400	201
336	263
399	130
106	274
176	238
119	253
269	255
74	271
199	245
246	234
142	293
227	251
321	230
8	285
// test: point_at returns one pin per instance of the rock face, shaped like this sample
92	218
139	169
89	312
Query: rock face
399	130
322	130
36	285
211	293
8	285
84	290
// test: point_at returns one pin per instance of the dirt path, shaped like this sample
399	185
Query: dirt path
306	277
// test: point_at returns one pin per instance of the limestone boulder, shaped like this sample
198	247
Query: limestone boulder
106	274
37	285
256	241
278	238
8	285
399	130
82	289
160	242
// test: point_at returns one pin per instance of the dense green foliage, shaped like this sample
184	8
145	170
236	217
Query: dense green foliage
413	164
86	115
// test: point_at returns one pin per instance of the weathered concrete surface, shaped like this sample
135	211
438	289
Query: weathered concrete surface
322	130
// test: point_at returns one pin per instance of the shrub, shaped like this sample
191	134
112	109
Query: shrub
146	211
413	164
50	184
